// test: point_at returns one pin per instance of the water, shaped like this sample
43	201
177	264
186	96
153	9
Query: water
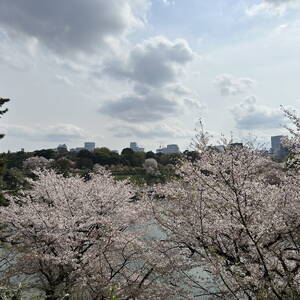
154	232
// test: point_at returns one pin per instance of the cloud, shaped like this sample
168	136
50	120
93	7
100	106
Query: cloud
232	86
160	130
150	104
153	69
168	2
251	115
150	107
155	62
63	79
72	26
16	55
193	104
272	7
64	132
54	133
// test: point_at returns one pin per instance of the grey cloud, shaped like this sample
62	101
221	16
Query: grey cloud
193	104
64	132
63	80
151	107
141	89
179	89
251	115
65	25
54	133
155	62
160	130
232	86
153	68
150	104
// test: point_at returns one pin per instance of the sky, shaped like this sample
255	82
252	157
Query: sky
116	71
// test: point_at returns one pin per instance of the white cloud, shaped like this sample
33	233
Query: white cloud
153	69
53	133
149	104
251	115
155	62
149	107
233	86
63	79
160	130
272	7
168	2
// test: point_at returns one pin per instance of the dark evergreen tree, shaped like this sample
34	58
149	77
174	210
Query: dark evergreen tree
2	102
2	159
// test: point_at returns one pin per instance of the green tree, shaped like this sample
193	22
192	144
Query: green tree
2	160
63	165
150	154
16	159
2	102
47	153
138	159
84	163
85	154
170	158
127	155
102	156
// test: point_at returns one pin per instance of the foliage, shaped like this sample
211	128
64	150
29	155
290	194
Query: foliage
63	166
151	167
2	102
37	162
236	217
47	153
77	234
7	293
3	201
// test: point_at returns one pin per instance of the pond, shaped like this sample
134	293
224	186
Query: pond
154	232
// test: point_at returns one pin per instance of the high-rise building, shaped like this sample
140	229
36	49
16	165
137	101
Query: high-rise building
90	146
62	148
77	149
172	148
277	148
134	146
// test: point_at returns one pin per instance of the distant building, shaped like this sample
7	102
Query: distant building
90	146
277	148
173	148
77	149
62	148
236	145
219	148
134	146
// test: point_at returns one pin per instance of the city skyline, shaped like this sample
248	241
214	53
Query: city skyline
276	149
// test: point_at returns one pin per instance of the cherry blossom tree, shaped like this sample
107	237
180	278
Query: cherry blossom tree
37	162
237	218
75	235
151	167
